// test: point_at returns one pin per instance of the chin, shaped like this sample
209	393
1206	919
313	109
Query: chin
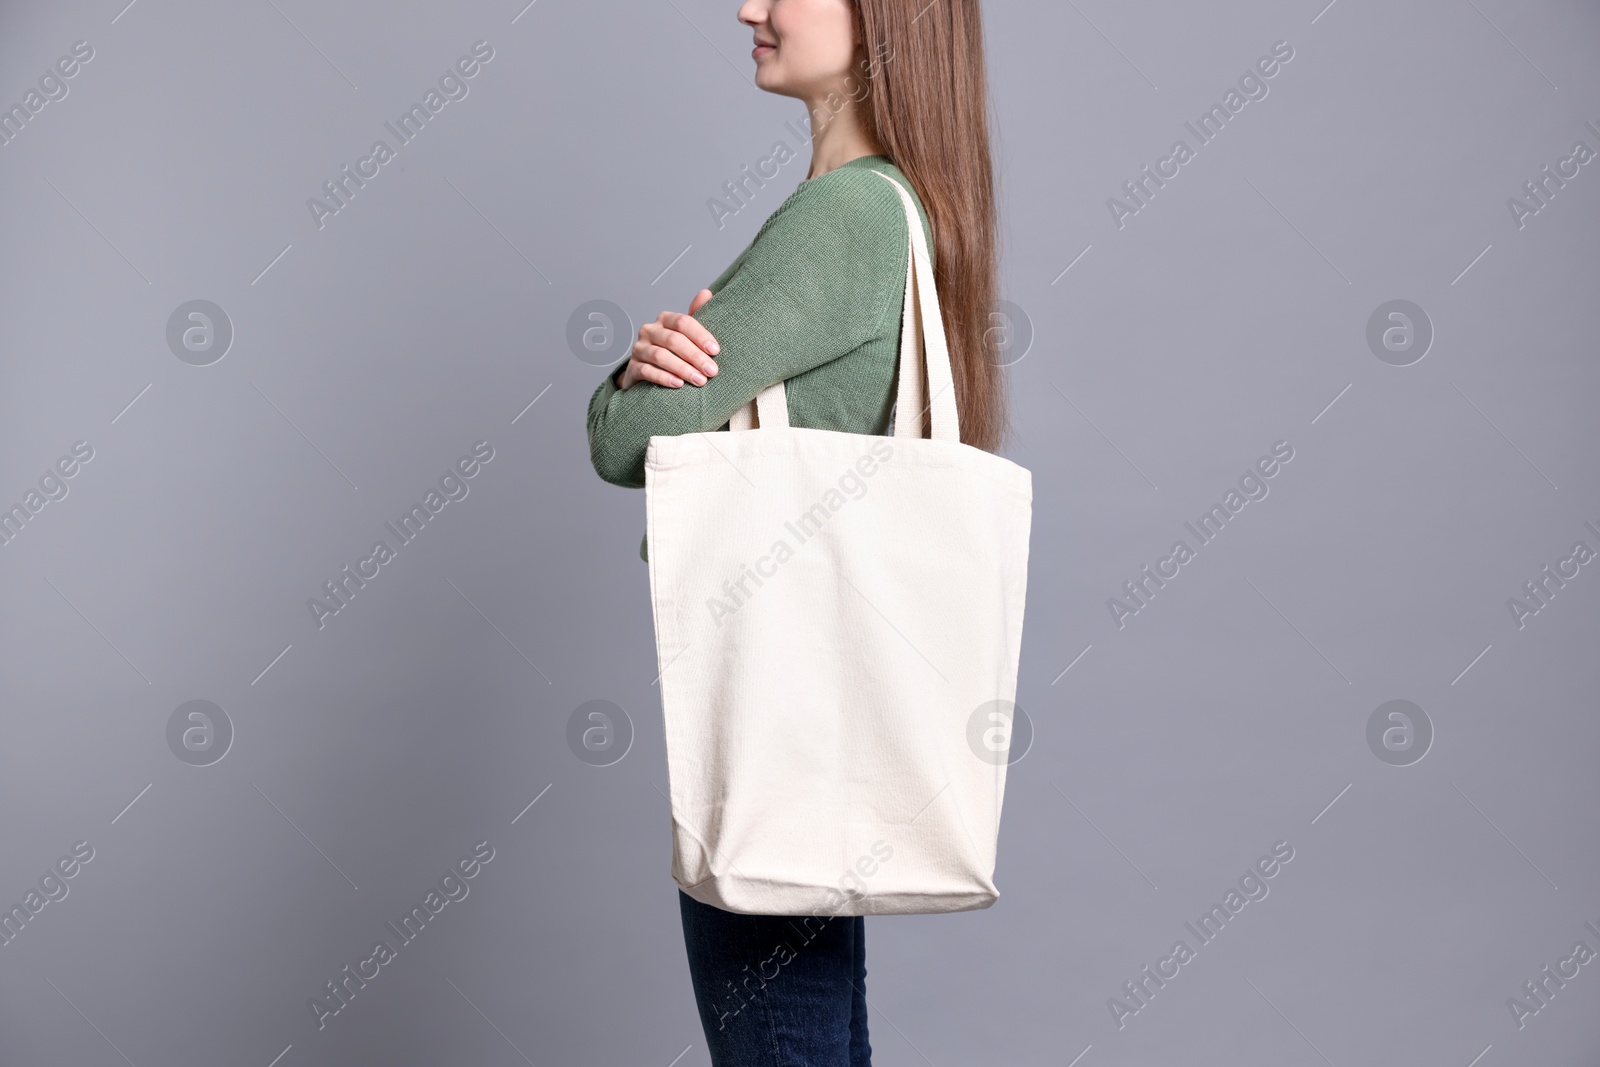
769	81
776	83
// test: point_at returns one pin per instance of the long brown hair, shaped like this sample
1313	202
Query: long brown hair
927	103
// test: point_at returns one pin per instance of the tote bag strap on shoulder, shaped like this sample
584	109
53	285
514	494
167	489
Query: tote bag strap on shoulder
921	328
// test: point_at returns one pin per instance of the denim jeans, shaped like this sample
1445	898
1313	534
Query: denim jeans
778	991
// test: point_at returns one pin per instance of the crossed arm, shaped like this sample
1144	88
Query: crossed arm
814	285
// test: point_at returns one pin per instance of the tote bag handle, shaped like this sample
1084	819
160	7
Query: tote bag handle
919	322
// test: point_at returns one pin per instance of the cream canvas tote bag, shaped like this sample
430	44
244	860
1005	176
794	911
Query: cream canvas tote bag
838	621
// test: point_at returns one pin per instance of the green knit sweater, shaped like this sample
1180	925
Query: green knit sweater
813	302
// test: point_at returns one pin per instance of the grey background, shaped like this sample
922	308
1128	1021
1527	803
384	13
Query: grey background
1230	713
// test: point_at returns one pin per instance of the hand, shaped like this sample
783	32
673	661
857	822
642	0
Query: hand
672	349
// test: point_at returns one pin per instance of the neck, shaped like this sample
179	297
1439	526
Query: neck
838	137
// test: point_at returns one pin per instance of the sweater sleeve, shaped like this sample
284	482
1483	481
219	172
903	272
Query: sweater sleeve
814	285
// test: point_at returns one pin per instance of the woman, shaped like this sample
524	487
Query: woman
895	86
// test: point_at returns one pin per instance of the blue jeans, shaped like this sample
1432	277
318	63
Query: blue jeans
778	991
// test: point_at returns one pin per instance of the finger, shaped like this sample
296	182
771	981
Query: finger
672	363
666	325
684	348
699	301
691	328
650	373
